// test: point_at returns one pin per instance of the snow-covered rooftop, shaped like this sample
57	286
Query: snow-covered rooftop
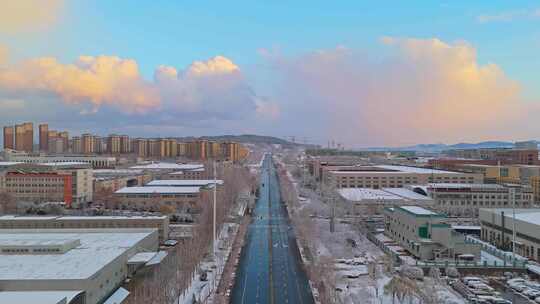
191	170
117	171
64	164
409	169
141	257
464	185
79	218
418	210
97	249
118	296
167	166
408	194
41	297
158	189
398	194
8	163
184	182
358	194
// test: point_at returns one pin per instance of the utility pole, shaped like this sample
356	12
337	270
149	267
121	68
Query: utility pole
331	192
513	198
214	211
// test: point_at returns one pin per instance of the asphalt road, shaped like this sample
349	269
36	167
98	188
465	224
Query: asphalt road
270	269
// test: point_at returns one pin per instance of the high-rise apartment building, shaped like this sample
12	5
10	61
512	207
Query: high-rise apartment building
113	144
76	145
56	145
140	147
28	136
87	144
44	137
125	144
9	137
24	137
65	138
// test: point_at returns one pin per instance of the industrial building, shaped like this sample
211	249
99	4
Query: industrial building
68	182
189	171
425	234
115	179
498	229
356	200
184	183
467	199
89	264
183	199
161	223
391	176
97	162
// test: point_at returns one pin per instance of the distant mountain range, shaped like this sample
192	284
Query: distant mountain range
246	138
441	147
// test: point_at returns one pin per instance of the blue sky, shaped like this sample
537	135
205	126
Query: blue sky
176	33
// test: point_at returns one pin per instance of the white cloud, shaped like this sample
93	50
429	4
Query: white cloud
426	90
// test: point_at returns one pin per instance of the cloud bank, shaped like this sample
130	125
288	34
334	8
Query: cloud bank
412	91
212	89
421	90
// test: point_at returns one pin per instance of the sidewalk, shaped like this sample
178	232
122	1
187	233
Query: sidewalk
203	290
226	283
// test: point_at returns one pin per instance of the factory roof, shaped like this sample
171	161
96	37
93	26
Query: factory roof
464	185
417	210
158	190
409	169
406	193
184	182
41	297
96	250
358	194
402	194
167	166
78	218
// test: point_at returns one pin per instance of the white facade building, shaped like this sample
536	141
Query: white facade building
92	261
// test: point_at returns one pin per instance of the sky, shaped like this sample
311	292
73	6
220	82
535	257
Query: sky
359	73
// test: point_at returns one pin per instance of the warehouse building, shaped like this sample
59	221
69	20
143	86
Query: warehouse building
497	228
425	235
467	199
356	200
161	223
89	263
180	199
391	176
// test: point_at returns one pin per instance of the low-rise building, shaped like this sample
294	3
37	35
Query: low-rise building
161	223
115	179
182	199
467	199
184	183
69	182
391	176
190	171
498	229
91	262
425	234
